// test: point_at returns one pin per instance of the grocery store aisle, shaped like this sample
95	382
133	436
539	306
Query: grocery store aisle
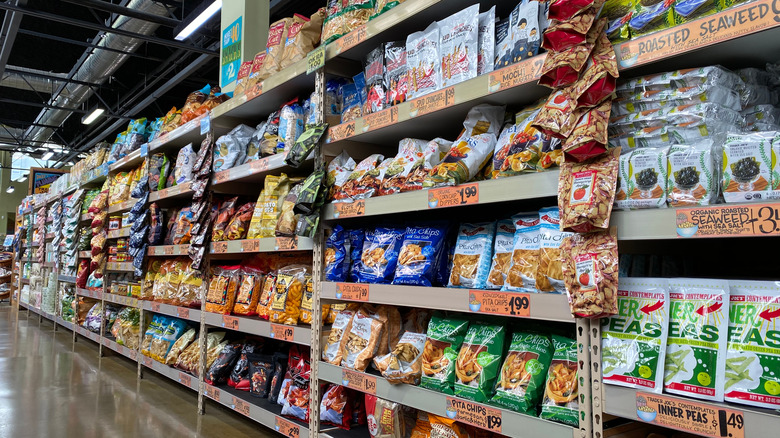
49	390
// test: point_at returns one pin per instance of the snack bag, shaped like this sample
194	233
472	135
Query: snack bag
459	46
179	346
446	427
264	302
221	295
336	255
560	394
549	274
444	338
590	273
633	342
487	41
331	351
417	257
502	56
404	363
362	341
302	37
521	275
747	166
695	364
307	305
384	418
524	28
479	358
751	350
335	407
521	382
423	63
285	307
692	174
356	238
239	223
379	257
274	48
558	116
587	192
502	254
339	170
588	139
363	182
472	257
249	291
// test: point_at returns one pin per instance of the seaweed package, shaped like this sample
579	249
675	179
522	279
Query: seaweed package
336	257
521	275
479	358
695	364
642	179
472	255
423	64
419	251
633	342
459	46
520	384
560	401
747	166
379	256
753	349
285	305
693	175
444	338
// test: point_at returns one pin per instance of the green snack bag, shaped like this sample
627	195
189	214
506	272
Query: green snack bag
521	383
445	335
696	346
633	342
754	344
305	143
477	365
560	393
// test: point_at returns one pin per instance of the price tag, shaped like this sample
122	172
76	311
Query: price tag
230	322
690	416
148	361
251	245
144	150
168	250
255	91
282	332
499	303
464	194
359	381
121	349
286	244
183	312
315	59
185	379
352	291
219	247
351	39
349	209
212	392
432	102
240	406
162	194
475	414
726	220
106	342
155	307
205	124
380	119
340	132
260	165
523	72
222	176
287	428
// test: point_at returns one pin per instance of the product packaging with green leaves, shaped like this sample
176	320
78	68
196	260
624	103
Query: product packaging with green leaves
753	357
520	384
633	342
698	332
476	367
445	335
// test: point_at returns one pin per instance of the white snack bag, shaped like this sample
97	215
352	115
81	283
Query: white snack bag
487	41
642	179
692	174
754	344
459	46
184	162
423	64
525	253
695	364
472	256
502	253
633	342
747	166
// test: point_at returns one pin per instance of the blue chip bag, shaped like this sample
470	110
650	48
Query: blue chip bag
379	256
336	257
420	251
473	254
355	239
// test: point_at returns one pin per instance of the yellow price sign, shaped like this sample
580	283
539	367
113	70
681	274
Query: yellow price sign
315	59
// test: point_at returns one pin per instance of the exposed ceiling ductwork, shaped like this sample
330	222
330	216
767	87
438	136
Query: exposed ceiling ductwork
30	79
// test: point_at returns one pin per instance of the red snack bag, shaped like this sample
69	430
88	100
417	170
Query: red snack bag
563	68
562	10
600	77
557	117
226	211
564	34
589	137
239	223
586	192
590	273
336	407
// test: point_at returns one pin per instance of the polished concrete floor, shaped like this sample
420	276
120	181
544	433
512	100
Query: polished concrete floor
51	388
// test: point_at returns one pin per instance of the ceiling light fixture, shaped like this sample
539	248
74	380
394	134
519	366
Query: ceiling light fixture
201	16
23	178
10	189
47	155
97	112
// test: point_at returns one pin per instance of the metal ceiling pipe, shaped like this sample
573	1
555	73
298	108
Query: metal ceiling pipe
31	79
98	66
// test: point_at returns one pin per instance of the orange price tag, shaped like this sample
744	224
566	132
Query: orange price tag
463	194
500	303
690	416
185	379
183	312
222	176
251	245
212	392
282	332
168	250
255	91
219	247
260	165
155	307
121	349
723	221
380	119
475	414
106	342
359	381
432	102
287	428
230	322
340	132
161	194
521	73
351	39
148	361
286	244
240	406
352	291
349	209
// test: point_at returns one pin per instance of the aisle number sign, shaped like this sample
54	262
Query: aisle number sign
231	52
728	220
689	416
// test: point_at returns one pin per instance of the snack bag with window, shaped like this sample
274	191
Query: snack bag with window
395	78
444	338
642	179
384	418
502	254
179	346
419	250
587	192
307	304
266	292
379	256
459	46
404	363
285	307
560	401
362	182
472	256
747	166
521	380
549	274
249	291
339	170
362	341
590	273
331	351
221	295
525	254
479	358
423	63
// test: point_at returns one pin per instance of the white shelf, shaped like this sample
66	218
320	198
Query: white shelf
87	334
66	279
130	161
180	191
66	324
121	300
260	327
122	206
185	379
121	349
265	244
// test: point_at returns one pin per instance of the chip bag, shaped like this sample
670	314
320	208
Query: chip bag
285	307
587	192
590	273
479	358
419	250
521	382
560	402
472	257
444	338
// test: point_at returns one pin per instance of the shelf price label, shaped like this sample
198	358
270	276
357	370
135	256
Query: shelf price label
432	102
205	124
351	39
349	209
219	247
260	165
168	250
155	307
185	379
230	322
340	132
255	91
358	381
500	303
523	72
286	244
148	361
183	312
352	291
475	414
212	392
240	406
728	220
287	428
380	119
144	150
464	194
222	176
251	245
690	416
282	332
315	59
